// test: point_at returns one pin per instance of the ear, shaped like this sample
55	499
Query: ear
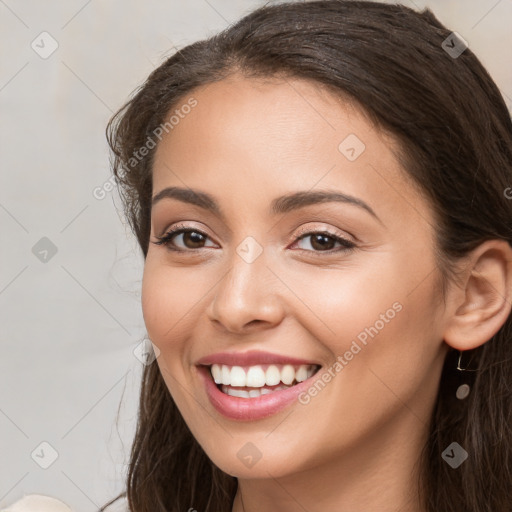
482	301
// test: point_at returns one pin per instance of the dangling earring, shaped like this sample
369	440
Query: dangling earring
464	389
458	362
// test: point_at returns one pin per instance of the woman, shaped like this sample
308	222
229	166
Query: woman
321	194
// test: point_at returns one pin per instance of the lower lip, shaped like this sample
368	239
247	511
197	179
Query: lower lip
248	409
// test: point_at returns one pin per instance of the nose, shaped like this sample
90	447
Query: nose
247	297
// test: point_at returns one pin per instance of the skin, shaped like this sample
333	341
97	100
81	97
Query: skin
354	446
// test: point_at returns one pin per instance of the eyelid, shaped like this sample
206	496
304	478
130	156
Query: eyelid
302	231
176	227
347	245
330	231
179	229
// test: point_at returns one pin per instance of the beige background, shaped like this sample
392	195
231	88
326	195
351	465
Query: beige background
69	325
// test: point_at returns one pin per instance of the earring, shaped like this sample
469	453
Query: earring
464	389
458	362
463	369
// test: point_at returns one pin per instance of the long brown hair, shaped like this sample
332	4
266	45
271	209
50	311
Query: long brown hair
455	136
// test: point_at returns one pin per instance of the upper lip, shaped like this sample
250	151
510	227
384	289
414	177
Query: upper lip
251	358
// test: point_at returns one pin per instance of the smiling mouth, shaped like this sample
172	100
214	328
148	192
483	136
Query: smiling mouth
259	380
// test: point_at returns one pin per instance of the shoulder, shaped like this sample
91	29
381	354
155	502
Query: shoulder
38	503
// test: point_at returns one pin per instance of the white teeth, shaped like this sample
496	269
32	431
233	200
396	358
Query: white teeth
301	374
287	374
217	373
256	377
239	393
238	376
226	374
253	393
272	376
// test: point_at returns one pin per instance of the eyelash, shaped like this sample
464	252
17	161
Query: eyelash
347	245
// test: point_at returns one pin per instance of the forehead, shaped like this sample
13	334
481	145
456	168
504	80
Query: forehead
269	137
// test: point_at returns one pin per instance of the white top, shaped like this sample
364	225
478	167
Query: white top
40	503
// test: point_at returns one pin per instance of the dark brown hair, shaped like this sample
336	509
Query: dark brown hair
455	139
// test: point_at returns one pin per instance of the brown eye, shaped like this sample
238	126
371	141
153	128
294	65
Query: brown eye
193	239
190	238
322	241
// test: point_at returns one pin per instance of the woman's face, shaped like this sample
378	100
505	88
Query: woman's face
346	285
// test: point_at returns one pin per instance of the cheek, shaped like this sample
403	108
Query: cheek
166	297
173	301
153	303
379	318
167	300
343	301
397	365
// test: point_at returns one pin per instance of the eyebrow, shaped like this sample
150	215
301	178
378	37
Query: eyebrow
280	205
